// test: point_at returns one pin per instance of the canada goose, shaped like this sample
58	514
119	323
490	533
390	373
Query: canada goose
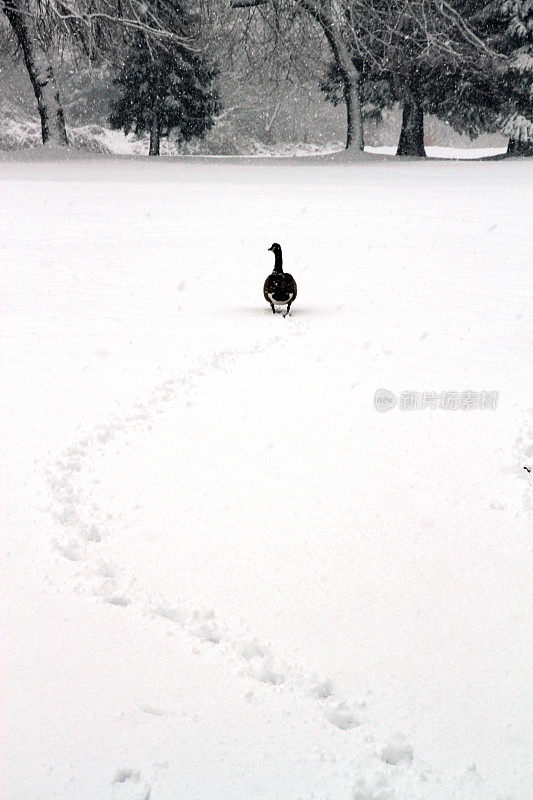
280	287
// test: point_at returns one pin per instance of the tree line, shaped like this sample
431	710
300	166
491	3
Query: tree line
469	62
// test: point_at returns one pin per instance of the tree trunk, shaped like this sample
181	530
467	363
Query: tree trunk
354	114
271	121
412	135
351	79
40	70
155	130
519	147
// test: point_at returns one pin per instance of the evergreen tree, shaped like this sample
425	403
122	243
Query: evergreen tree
496	93
509	24
165	86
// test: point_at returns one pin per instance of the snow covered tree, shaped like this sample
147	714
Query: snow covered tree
396	47
163	89
327	16
495	94
23	17
97	28
509	25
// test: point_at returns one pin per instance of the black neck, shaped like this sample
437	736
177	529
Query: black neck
278	266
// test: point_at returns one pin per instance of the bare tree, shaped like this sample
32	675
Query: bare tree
325	14
267	54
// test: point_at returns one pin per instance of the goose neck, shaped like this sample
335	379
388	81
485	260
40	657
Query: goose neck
278	264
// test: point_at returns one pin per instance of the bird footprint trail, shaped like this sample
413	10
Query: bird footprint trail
523	453
388	767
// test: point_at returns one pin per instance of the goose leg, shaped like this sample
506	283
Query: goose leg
288	311
272	307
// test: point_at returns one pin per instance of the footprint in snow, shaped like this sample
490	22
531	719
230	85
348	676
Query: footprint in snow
342	716
264	672
92	534
396	749
375	787
173	614
207	632
320	688
204	626
260	661
118	600
129	785
156	711
523	452
249	649
69	551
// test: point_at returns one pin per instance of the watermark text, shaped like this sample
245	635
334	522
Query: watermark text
385	400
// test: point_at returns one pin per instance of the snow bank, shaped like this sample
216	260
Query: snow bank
18	132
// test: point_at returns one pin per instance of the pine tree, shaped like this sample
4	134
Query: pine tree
515	17
164	87
496	93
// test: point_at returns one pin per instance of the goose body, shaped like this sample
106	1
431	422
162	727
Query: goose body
280	288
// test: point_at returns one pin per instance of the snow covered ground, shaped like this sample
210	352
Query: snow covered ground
226	576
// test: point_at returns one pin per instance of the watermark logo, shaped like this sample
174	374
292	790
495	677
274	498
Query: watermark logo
468	400
384	400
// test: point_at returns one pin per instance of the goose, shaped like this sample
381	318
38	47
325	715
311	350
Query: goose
280	287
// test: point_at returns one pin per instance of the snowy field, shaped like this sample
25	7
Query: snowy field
226	576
